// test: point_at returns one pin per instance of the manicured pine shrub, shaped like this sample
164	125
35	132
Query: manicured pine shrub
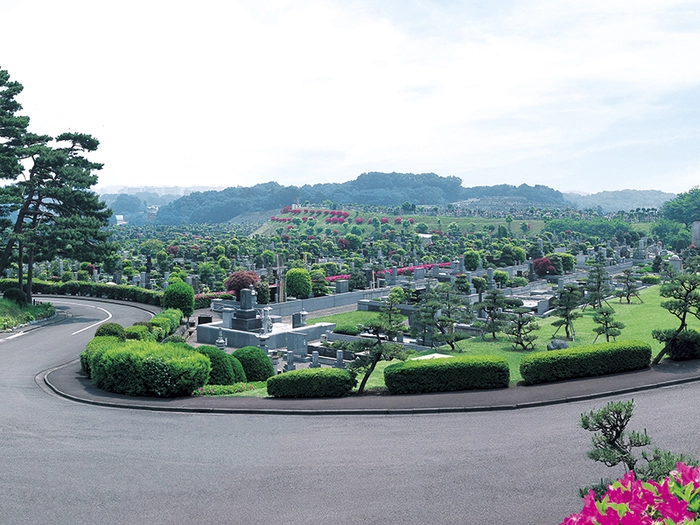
110	329
312	382
682	346
256	364
447	374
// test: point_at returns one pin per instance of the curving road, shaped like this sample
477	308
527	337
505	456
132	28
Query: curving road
69	463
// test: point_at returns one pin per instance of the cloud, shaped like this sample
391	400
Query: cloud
234	93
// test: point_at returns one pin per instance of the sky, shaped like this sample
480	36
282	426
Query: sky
579	96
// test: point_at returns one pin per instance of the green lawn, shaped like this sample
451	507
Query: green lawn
348	318
639	319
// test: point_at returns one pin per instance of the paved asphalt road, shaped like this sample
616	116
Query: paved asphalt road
69	463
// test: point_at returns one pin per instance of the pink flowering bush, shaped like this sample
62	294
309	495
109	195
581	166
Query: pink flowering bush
676	500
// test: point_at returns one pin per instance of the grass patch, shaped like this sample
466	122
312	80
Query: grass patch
252	389
12	315
639	320
348	318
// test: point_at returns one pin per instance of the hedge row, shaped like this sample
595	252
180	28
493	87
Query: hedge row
585	361
145	368
120	292
203	300
312	382
447	374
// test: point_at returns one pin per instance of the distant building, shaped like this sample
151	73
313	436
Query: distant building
695	233
120	220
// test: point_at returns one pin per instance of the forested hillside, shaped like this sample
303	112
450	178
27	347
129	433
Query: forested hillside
379	189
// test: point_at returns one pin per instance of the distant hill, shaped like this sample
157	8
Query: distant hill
380	189
622	200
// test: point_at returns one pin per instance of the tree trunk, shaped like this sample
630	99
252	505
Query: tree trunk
368	373
30	274
20	269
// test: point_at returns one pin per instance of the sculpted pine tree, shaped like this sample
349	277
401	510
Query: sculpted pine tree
566	308
55	213
609	327
682	295
630	288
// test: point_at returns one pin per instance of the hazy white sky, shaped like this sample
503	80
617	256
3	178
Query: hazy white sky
591	96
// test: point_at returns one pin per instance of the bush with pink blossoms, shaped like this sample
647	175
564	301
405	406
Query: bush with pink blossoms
676	500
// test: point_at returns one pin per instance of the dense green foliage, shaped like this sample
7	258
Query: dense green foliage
256	364
139	332
179	295
89	289
681	345
15	295
110	329
298	283
143	368
312	382
584	361
221	366
447	374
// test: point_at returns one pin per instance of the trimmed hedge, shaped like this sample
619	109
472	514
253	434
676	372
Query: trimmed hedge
221	366
121	292
96	345
146	368
447	374
312	382
203	300
139	332
585	361
256	364
650	279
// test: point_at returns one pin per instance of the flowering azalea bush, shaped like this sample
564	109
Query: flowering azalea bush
676	500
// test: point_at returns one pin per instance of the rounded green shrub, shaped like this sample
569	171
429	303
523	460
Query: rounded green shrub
238	372
221	366
256	364
16	296
311	382
447	374
110	329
